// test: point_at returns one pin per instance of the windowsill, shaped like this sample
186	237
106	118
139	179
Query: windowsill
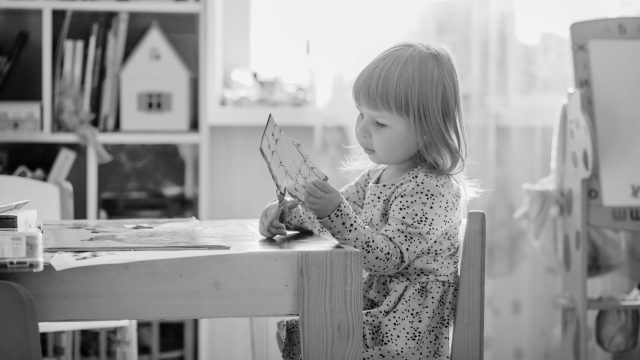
283	115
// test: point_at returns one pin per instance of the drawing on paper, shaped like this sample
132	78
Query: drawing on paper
155	234
288	162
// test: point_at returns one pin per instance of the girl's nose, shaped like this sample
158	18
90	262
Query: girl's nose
362	129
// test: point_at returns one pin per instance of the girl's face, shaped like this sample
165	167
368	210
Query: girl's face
386	138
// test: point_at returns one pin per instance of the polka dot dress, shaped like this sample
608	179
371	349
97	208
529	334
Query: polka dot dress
407	232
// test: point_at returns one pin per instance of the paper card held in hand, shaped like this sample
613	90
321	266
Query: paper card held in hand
288	162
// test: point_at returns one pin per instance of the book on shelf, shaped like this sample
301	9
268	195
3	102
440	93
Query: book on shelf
60	50
98	70
87	85
60	67
78	64
121	39
116	40
67	61
15	51
73	64
19	220
90	65
105	96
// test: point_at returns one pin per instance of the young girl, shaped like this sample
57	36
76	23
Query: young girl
403	213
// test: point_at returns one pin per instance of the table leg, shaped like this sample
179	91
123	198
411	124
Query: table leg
330	305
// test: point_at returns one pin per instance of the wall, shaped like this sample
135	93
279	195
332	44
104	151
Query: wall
240	181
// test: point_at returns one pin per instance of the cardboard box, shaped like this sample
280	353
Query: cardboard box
20	116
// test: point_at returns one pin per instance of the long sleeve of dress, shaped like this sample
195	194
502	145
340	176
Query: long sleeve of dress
418	214
354	193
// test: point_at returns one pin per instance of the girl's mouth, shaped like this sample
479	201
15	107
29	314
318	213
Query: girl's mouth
368	151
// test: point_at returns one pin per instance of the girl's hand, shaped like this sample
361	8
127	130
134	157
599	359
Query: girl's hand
270	224
321	198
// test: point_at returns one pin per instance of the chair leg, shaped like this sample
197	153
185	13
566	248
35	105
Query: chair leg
65	341
19	325
127	342
77	341
102	344
189	339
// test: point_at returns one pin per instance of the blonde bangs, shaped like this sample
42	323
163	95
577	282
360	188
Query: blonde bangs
384	85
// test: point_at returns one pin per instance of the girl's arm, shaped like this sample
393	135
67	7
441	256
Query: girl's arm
301	218
418	216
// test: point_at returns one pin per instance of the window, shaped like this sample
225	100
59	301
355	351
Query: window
514	64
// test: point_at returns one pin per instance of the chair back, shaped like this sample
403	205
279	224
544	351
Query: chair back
17	307
54	201
468	327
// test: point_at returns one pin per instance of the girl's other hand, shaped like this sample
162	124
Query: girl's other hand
321	198
270	224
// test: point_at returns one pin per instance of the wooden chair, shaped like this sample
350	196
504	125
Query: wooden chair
468	328
53	202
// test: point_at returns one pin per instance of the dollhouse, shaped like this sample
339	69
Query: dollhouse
155	86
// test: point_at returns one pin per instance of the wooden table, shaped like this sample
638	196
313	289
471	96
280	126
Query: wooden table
298	274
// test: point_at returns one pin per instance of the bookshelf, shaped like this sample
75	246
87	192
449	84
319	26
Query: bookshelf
34	78
170	165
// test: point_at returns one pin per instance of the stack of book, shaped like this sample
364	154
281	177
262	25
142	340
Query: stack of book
20	238
89	67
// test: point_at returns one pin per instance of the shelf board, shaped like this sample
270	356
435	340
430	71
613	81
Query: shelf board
257	116
105	138
107	5
149	138
37	137
45	327
609	304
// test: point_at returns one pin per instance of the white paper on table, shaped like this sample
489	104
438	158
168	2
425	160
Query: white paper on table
69	260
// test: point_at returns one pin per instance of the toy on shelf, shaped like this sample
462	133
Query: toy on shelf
155	86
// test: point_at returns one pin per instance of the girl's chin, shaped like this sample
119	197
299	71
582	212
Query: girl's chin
374	159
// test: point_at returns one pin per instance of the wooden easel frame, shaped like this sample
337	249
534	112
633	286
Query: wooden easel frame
580	189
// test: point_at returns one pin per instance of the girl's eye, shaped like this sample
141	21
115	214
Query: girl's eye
379	124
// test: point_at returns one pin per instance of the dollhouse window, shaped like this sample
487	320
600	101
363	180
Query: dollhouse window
154	101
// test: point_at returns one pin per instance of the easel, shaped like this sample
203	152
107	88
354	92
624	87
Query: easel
580	188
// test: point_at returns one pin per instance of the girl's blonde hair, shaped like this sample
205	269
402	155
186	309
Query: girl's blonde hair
419	82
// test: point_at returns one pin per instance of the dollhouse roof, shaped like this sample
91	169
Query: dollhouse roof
155	54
